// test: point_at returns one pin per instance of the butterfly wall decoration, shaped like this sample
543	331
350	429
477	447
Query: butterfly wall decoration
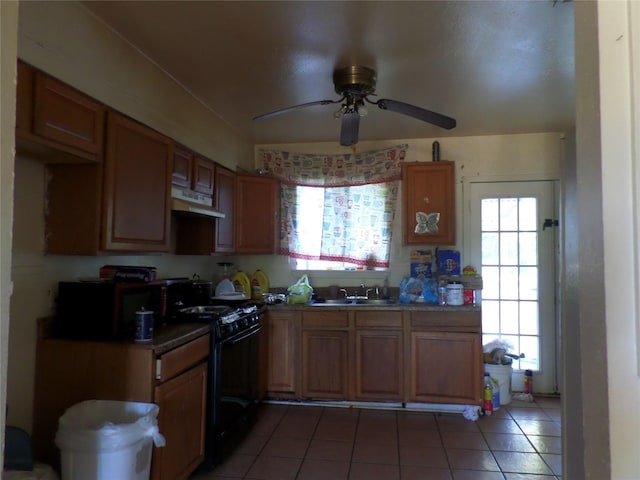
427	222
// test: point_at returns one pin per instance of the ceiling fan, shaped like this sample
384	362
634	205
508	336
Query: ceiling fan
355	84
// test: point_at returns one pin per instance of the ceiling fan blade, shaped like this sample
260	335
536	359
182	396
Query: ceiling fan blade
294	107
420	113
349	130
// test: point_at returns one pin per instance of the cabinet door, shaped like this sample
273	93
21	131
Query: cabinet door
136	202
225	202
67	116
256	214
445	367
181	175
283	331
325	364
379	365
429	188
183	403
203	175
24	98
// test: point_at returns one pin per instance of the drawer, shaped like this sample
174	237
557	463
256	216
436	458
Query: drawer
379	319
447	320
325	319
182	358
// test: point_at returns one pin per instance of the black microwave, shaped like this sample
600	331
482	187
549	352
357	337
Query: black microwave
105	310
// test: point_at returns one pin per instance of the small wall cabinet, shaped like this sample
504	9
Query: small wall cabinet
56	122
257	212
192	171
429	203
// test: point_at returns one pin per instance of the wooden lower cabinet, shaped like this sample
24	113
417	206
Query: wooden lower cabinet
282	370
183	404
379	356
445	367
172	375
325	355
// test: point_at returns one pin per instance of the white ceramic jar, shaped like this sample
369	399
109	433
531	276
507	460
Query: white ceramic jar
455	293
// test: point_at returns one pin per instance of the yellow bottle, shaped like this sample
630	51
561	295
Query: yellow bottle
241	283
259	284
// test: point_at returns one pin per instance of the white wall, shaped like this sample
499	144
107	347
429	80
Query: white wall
8	46
619	35
535	156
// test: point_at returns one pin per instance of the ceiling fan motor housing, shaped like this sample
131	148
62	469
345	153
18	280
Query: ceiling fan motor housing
354	80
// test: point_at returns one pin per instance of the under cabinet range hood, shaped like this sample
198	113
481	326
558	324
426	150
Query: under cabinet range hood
185	201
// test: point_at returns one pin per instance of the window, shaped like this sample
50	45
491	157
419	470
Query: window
337	210
344	228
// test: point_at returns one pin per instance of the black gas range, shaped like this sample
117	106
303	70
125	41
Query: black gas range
234	363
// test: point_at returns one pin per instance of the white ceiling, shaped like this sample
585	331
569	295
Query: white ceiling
497	67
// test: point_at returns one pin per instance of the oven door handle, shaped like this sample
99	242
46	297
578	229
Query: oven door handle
234	340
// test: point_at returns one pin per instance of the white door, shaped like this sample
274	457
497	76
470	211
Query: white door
516	254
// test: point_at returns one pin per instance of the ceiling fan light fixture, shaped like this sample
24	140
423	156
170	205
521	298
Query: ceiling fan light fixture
350	127
339	112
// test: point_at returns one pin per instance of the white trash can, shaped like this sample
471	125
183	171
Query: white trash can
502	373
107	440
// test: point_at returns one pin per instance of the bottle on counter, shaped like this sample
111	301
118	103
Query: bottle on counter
487	395
528	382
442	293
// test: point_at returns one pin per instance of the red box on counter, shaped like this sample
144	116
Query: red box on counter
128	273
468	296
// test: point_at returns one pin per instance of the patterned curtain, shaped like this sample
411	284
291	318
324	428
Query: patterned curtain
356	222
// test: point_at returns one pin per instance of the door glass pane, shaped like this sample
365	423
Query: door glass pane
508	214
489	214
509	317
490	248
528	283
509	248
528	214
529	318
509	283
528	248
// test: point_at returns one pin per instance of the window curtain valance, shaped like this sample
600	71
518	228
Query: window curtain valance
321	170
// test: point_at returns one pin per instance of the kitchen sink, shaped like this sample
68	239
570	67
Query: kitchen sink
340	302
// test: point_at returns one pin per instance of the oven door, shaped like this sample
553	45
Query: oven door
235	394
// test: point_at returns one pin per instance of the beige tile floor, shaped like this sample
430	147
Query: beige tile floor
520	441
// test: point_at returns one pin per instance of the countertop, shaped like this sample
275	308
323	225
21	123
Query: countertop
424	307
165	337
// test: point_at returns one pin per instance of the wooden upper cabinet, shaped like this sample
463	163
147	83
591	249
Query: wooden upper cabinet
24	99
181	175
56	122
192	171
428	190
225	181
257	204
203	175
137	187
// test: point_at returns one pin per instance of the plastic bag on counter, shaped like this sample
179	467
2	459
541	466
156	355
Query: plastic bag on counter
300	292
418	290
